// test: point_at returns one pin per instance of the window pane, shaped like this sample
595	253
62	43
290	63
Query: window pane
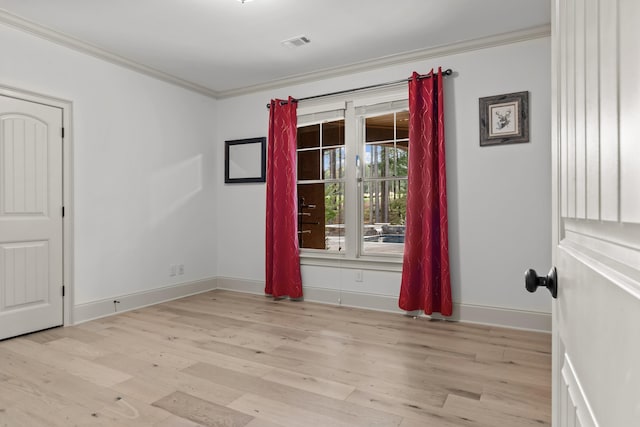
333	163
402	125
401	158
321	216
308	136
374	163
384	215
333	133
379	160
334	216
308	165
310	216
379	128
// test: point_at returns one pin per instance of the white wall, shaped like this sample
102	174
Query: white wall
499	197
145	184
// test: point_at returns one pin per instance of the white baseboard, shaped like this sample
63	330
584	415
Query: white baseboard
241	285
320	295
485	315
97	309
499	316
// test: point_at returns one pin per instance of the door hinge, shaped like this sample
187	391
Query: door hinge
62	290
63	212
62	132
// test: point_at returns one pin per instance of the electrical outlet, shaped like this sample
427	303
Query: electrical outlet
172	270
180	269
358	275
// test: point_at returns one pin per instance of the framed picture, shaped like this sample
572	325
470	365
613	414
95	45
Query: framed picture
245	160
504	119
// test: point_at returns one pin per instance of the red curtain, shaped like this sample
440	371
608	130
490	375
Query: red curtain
282	253
425	271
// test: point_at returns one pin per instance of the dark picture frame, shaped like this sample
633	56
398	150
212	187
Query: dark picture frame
504	119
245	160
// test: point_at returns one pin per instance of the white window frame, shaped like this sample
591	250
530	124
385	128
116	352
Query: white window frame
354	108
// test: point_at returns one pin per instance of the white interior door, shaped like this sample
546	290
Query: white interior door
596	122
30	217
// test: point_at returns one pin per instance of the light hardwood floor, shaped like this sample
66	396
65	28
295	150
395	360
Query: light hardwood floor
229	359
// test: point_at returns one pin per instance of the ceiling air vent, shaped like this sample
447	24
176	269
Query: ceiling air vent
296	41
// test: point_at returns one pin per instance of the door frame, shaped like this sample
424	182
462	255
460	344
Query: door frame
67	189
555	204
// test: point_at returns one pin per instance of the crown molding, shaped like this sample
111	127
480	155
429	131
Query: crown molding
65	40
97	52
396	59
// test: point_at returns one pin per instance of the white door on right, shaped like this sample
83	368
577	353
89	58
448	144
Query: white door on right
596	134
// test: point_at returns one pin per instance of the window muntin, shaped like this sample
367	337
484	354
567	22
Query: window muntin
352	176
321	187
384	186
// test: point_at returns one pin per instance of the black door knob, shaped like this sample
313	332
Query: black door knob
532	281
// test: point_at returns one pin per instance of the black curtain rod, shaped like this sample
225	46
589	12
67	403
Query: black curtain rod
446	72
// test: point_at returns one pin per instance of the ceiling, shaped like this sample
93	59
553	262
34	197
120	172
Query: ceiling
224	47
